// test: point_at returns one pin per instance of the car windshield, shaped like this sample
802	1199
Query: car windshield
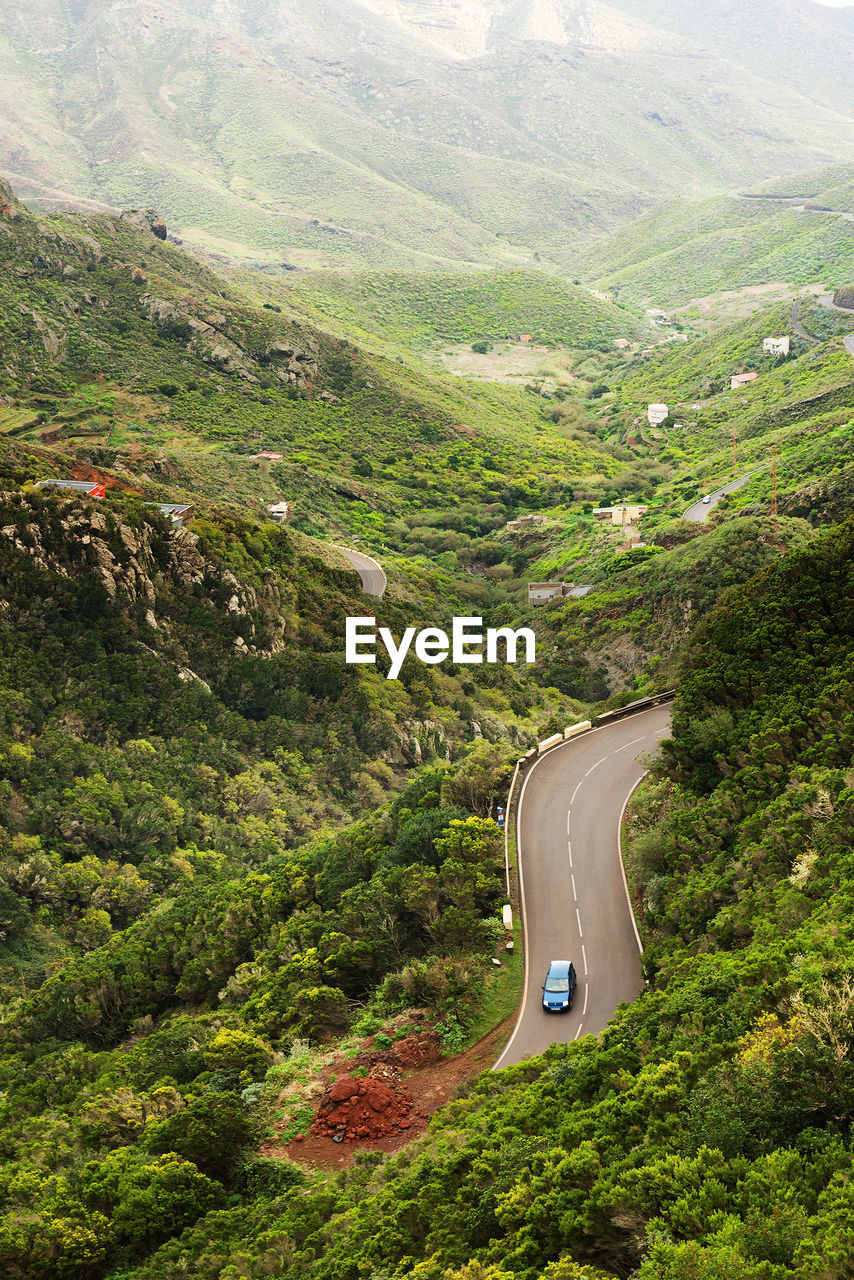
557	984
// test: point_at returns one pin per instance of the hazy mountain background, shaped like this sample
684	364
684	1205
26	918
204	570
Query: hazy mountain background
396	133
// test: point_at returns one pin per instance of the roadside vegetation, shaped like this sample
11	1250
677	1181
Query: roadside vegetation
227	856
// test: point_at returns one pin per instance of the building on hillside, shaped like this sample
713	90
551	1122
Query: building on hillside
656	413
525	522
92	488
280	512
621	343
267	457
655	313
741	380
620	516
180	513
777	346
541	592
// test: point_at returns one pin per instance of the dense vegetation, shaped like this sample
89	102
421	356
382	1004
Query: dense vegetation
414	310
707	1134
220	845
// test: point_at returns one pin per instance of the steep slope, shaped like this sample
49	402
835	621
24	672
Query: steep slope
798	230
341	133
705	1134
121	351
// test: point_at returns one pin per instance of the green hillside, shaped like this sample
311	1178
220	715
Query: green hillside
232	862
706	1134
690	249
417	311
122	351
316	136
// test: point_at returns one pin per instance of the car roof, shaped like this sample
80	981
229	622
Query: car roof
560	968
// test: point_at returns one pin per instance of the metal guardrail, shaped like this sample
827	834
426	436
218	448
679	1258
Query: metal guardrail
584	726
642	704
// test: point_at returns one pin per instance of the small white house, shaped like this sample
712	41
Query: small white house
540	592
777	346
280	511
624	514
656	413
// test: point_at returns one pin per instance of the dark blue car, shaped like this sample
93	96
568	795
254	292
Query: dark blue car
559	986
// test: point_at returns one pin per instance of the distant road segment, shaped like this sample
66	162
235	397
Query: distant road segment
373	577
574	901
699	511
798	327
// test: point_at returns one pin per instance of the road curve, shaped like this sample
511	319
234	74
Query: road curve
798	327
849	344
373	577
699	511
573	895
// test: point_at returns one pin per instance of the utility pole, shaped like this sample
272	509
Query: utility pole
774	481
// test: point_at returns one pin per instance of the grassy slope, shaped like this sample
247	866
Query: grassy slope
338	138
691	249
112	382
415	311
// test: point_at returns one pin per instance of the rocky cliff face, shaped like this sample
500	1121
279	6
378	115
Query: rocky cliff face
209	340
146	568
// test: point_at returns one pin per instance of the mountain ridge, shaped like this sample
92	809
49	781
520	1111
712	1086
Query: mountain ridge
335	134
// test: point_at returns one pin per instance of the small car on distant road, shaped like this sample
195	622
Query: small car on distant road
559	986
708	498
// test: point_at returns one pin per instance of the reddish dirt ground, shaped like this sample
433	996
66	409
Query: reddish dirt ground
83	471
429	1087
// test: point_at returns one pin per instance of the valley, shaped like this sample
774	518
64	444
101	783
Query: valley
534	317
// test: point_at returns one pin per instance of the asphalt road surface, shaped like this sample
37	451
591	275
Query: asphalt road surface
371	573
849	344
699	510
574	900
798	327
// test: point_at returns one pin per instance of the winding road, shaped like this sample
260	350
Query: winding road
699	511
575	904
797	326
373	577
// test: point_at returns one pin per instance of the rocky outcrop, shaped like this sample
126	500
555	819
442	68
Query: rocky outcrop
146	220
371	1108
148	566
207	340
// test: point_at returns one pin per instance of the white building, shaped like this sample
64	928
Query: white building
777	346
540	592
656	413
624	514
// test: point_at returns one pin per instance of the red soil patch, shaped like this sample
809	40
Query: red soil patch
83	471
420	1082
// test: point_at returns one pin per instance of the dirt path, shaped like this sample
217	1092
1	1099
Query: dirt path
431	1087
